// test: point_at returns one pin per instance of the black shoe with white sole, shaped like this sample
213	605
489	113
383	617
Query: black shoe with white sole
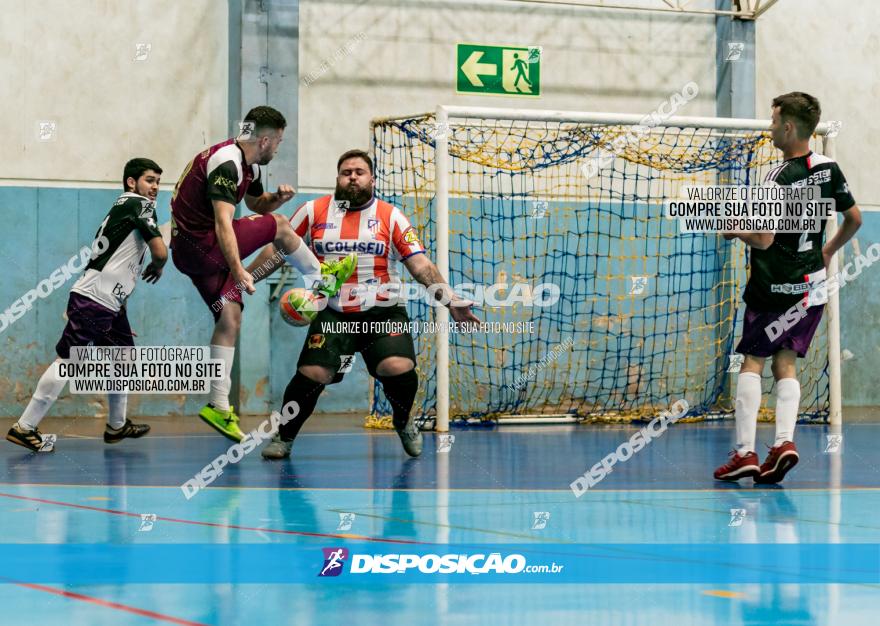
30	439
127	431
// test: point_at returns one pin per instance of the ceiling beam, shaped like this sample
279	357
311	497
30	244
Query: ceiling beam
741	9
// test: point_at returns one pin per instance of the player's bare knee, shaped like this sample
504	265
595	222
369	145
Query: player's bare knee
394	366
230	319
784	364
285	238
317	373
752	364
231	314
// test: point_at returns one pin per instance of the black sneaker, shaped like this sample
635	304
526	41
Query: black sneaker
30	439
128	429
277	448
411	438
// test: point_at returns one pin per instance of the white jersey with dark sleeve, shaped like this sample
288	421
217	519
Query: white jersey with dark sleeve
119	250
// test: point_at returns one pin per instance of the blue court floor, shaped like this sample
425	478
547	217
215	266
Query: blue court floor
656	542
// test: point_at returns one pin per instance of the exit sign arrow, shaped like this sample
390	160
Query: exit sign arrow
472	68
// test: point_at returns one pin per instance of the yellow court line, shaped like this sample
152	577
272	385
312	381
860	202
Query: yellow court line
720	593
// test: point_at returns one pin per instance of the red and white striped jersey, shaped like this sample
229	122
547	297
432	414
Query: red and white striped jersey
379	233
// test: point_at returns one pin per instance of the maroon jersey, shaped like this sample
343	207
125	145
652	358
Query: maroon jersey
218	173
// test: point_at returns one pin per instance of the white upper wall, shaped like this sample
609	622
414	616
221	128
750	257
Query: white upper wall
73	63
401	60
829	50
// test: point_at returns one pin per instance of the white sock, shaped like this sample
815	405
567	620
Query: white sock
48	388
305	263
788	400
116	405
220	388
748	401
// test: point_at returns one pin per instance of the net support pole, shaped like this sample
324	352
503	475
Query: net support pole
835	395
734	65
441	160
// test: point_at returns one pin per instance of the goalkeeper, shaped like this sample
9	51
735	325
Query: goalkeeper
354	220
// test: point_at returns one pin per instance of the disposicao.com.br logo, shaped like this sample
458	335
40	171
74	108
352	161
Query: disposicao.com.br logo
334	560
429	563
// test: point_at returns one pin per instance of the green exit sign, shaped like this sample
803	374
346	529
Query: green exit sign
499	70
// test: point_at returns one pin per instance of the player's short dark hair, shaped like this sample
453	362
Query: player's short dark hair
355	154
264	117
800	108
136	168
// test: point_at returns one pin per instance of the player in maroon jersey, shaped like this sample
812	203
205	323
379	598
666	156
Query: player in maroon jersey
208	245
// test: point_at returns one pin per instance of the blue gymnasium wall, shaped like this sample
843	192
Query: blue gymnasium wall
44	227
860	323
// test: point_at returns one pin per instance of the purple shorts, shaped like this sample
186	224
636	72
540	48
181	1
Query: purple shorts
764	334
200	258
90	323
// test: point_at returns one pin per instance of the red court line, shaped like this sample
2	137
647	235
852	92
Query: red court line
279	531
108	604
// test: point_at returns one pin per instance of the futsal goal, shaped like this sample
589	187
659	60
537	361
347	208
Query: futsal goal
517	198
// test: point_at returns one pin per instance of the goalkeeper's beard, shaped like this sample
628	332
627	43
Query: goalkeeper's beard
356	196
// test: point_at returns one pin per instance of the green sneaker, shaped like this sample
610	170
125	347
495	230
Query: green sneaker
224	422
335	273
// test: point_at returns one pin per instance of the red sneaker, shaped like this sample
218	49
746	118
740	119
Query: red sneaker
739	467
780	459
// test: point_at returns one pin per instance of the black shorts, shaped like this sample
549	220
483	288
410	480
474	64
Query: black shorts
765	333
334	338
92	324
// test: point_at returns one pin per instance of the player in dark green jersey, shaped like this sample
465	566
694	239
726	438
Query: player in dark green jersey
787	274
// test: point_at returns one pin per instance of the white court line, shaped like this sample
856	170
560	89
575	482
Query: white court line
71	184
868	207
208	435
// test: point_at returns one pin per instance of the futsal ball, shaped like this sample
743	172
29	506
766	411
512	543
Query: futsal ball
300	306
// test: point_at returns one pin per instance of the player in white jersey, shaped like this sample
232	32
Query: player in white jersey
367	309
96	313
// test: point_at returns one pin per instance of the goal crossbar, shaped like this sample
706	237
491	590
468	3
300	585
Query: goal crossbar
593	117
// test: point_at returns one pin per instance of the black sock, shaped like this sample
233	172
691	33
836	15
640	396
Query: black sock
304	391
400	391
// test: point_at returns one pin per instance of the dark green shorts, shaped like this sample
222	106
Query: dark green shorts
334	338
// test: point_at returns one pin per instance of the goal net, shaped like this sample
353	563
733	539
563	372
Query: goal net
646	315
